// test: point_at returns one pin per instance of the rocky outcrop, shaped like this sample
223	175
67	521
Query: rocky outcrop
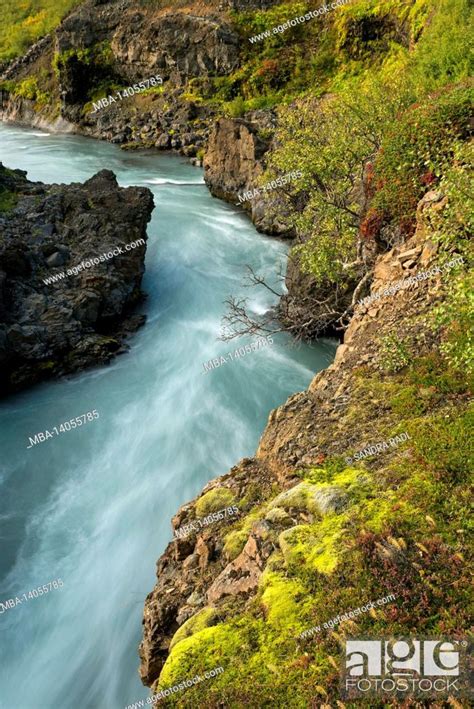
234	164
120	44
59	310
302	433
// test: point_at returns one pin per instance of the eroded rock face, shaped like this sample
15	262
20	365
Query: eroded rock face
234	158
233	164
81	319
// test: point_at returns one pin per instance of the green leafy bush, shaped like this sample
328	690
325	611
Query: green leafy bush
417	150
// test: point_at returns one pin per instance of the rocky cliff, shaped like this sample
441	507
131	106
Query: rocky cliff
103	46
59	310
234	164
237	592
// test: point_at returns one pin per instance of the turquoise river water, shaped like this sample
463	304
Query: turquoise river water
92	506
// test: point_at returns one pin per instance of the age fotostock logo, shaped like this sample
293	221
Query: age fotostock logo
405	666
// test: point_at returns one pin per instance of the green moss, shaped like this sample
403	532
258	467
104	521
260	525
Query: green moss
284	601
8	200
202	619
315	547
235	542
204	650
446	442
214	500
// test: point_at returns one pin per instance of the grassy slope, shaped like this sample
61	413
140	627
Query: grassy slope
25	21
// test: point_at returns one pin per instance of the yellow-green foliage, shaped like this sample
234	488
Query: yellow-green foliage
315	547
202	619
235	542
204	650
284	600
236	539
22	23
214	500
28	88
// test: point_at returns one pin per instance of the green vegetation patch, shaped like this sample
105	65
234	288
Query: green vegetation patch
23	23
214	500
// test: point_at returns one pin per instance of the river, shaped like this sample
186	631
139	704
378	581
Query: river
92	507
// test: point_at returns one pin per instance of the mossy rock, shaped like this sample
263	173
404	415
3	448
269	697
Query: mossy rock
200	620
320	499
315	547
282	599
203	650
214	500
235	542
278	516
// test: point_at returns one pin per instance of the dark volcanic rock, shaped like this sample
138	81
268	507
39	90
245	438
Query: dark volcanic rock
49	328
